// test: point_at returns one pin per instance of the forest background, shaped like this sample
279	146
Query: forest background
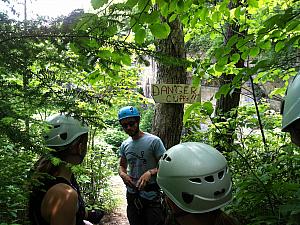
89	64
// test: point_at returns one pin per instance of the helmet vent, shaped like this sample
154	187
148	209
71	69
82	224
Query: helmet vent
217	193
187	198
196	180
167	158
221	174
63	136
209	179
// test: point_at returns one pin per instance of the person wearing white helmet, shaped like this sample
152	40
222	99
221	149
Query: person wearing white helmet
197	184
55	198
291	110
139	156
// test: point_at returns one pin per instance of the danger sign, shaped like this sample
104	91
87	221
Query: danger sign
175	93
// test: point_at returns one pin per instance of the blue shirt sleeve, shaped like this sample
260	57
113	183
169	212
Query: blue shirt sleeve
159	148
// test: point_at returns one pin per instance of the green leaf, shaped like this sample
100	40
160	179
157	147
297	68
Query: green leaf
241	43
245	54
237	12
293	41
131	3
237	79
126	59
232	40
140	35
219	52
143	5
93	77
98	3
104	54
160	30
219	67
189	110
253	3
254	51
153	17
111	30
224	89
223	60
172	6
172	18
293	26
180	5
278	91
213	35
279	45
269	23
266	45
263	64
216	16
208	108
204	13
187	37
164	9
235	57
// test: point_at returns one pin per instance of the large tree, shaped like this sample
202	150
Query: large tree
167	122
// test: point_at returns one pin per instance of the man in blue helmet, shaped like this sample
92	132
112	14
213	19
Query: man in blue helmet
139	156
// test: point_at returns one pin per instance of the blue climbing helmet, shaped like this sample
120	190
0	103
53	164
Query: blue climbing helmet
128	111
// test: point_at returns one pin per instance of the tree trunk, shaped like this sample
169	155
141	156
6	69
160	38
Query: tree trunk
227	103
167	121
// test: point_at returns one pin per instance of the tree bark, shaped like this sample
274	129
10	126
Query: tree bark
167	121
227	103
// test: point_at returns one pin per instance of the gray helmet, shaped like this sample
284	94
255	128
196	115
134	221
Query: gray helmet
195	177
291	104
63	130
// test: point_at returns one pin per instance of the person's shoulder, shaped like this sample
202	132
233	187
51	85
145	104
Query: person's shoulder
126	141
62	191
60	204
151	136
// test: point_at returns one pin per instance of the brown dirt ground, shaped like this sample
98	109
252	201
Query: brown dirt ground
118	217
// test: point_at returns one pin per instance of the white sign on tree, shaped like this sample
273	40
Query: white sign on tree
175	93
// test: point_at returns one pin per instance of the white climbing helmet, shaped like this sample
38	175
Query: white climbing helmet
195	177
290	107
63	130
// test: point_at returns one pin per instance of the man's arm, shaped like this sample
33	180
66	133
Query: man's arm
123	173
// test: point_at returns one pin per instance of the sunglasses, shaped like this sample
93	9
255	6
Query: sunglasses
130	123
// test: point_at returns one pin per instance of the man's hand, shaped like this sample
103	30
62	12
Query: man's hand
127	180
144	179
